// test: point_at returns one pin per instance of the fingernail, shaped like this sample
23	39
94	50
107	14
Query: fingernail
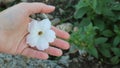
51	6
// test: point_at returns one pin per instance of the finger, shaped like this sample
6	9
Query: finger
32	8
54	51
29	52
60	33
61	44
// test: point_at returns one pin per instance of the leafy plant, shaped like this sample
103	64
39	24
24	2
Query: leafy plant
99	29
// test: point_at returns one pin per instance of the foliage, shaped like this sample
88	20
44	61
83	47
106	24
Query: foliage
5	4
99	29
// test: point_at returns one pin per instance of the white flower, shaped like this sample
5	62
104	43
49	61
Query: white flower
40	34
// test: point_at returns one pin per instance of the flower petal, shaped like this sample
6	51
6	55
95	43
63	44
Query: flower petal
32	40
50	35
42	44
45	24
33	26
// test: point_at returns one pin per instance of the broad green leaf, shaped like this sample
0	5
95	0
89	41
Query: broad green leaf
116	41
99	23
108	12
85	22
90	32
115	60
92	50
116	6
117	30
116	51
99	8
106	45
107	33
105	51
81	4
118	17
112	18
100	40
80	13
94	4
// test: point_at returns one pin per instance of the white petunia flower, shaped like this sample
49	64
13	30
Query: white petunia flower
40	34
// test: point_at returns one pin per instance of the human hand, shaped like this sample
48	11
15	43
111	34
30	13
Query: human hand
13	30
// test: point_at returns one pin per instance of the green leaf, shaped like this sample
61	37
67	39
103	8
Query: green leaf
99	23
115	60
105	51
81	4
116	41
108	12
118	15
100	40
93	51
85	22
99	8
107	33
117	30
80	13
116	6
116	51
94	4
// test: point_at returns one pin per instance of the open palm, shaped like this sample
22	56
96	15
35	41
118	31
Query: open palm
13	30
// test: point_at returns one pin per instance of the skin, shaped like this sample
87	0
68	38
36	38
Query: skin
13	31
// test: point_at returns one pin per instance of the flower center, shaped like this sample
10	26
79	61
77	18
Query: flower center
40	33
